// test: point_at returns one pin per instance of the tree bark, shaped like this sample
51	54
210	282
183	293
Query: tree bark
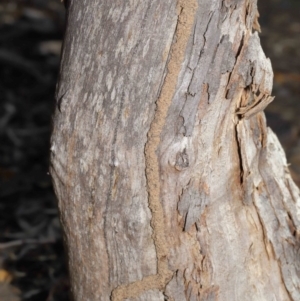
170	186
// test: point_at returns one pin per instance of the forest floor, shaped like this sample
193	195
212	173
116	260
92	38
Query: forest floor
32	260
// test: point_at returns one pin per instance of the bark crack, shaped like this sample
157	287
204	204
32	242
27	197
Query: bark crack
264	232
186	11
239	152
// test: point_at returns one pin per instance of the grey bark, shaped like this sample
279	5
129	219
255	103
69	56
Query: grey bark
170	186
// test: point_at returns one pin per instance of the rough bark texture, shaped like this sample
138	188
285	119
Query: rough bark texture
170	185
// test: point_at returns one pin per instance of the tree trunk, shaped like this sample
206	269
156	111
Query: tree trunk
169	184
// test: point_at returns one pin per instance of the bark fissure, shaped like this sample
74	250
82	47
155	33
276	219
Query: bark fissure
264	231
239	152
238	54
283	280
186	13
282	262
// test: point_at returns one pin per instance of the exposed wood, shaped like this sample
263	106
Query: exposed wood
170	185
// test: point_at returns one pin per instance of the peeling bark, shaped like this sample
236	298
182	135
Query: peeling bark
170	186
